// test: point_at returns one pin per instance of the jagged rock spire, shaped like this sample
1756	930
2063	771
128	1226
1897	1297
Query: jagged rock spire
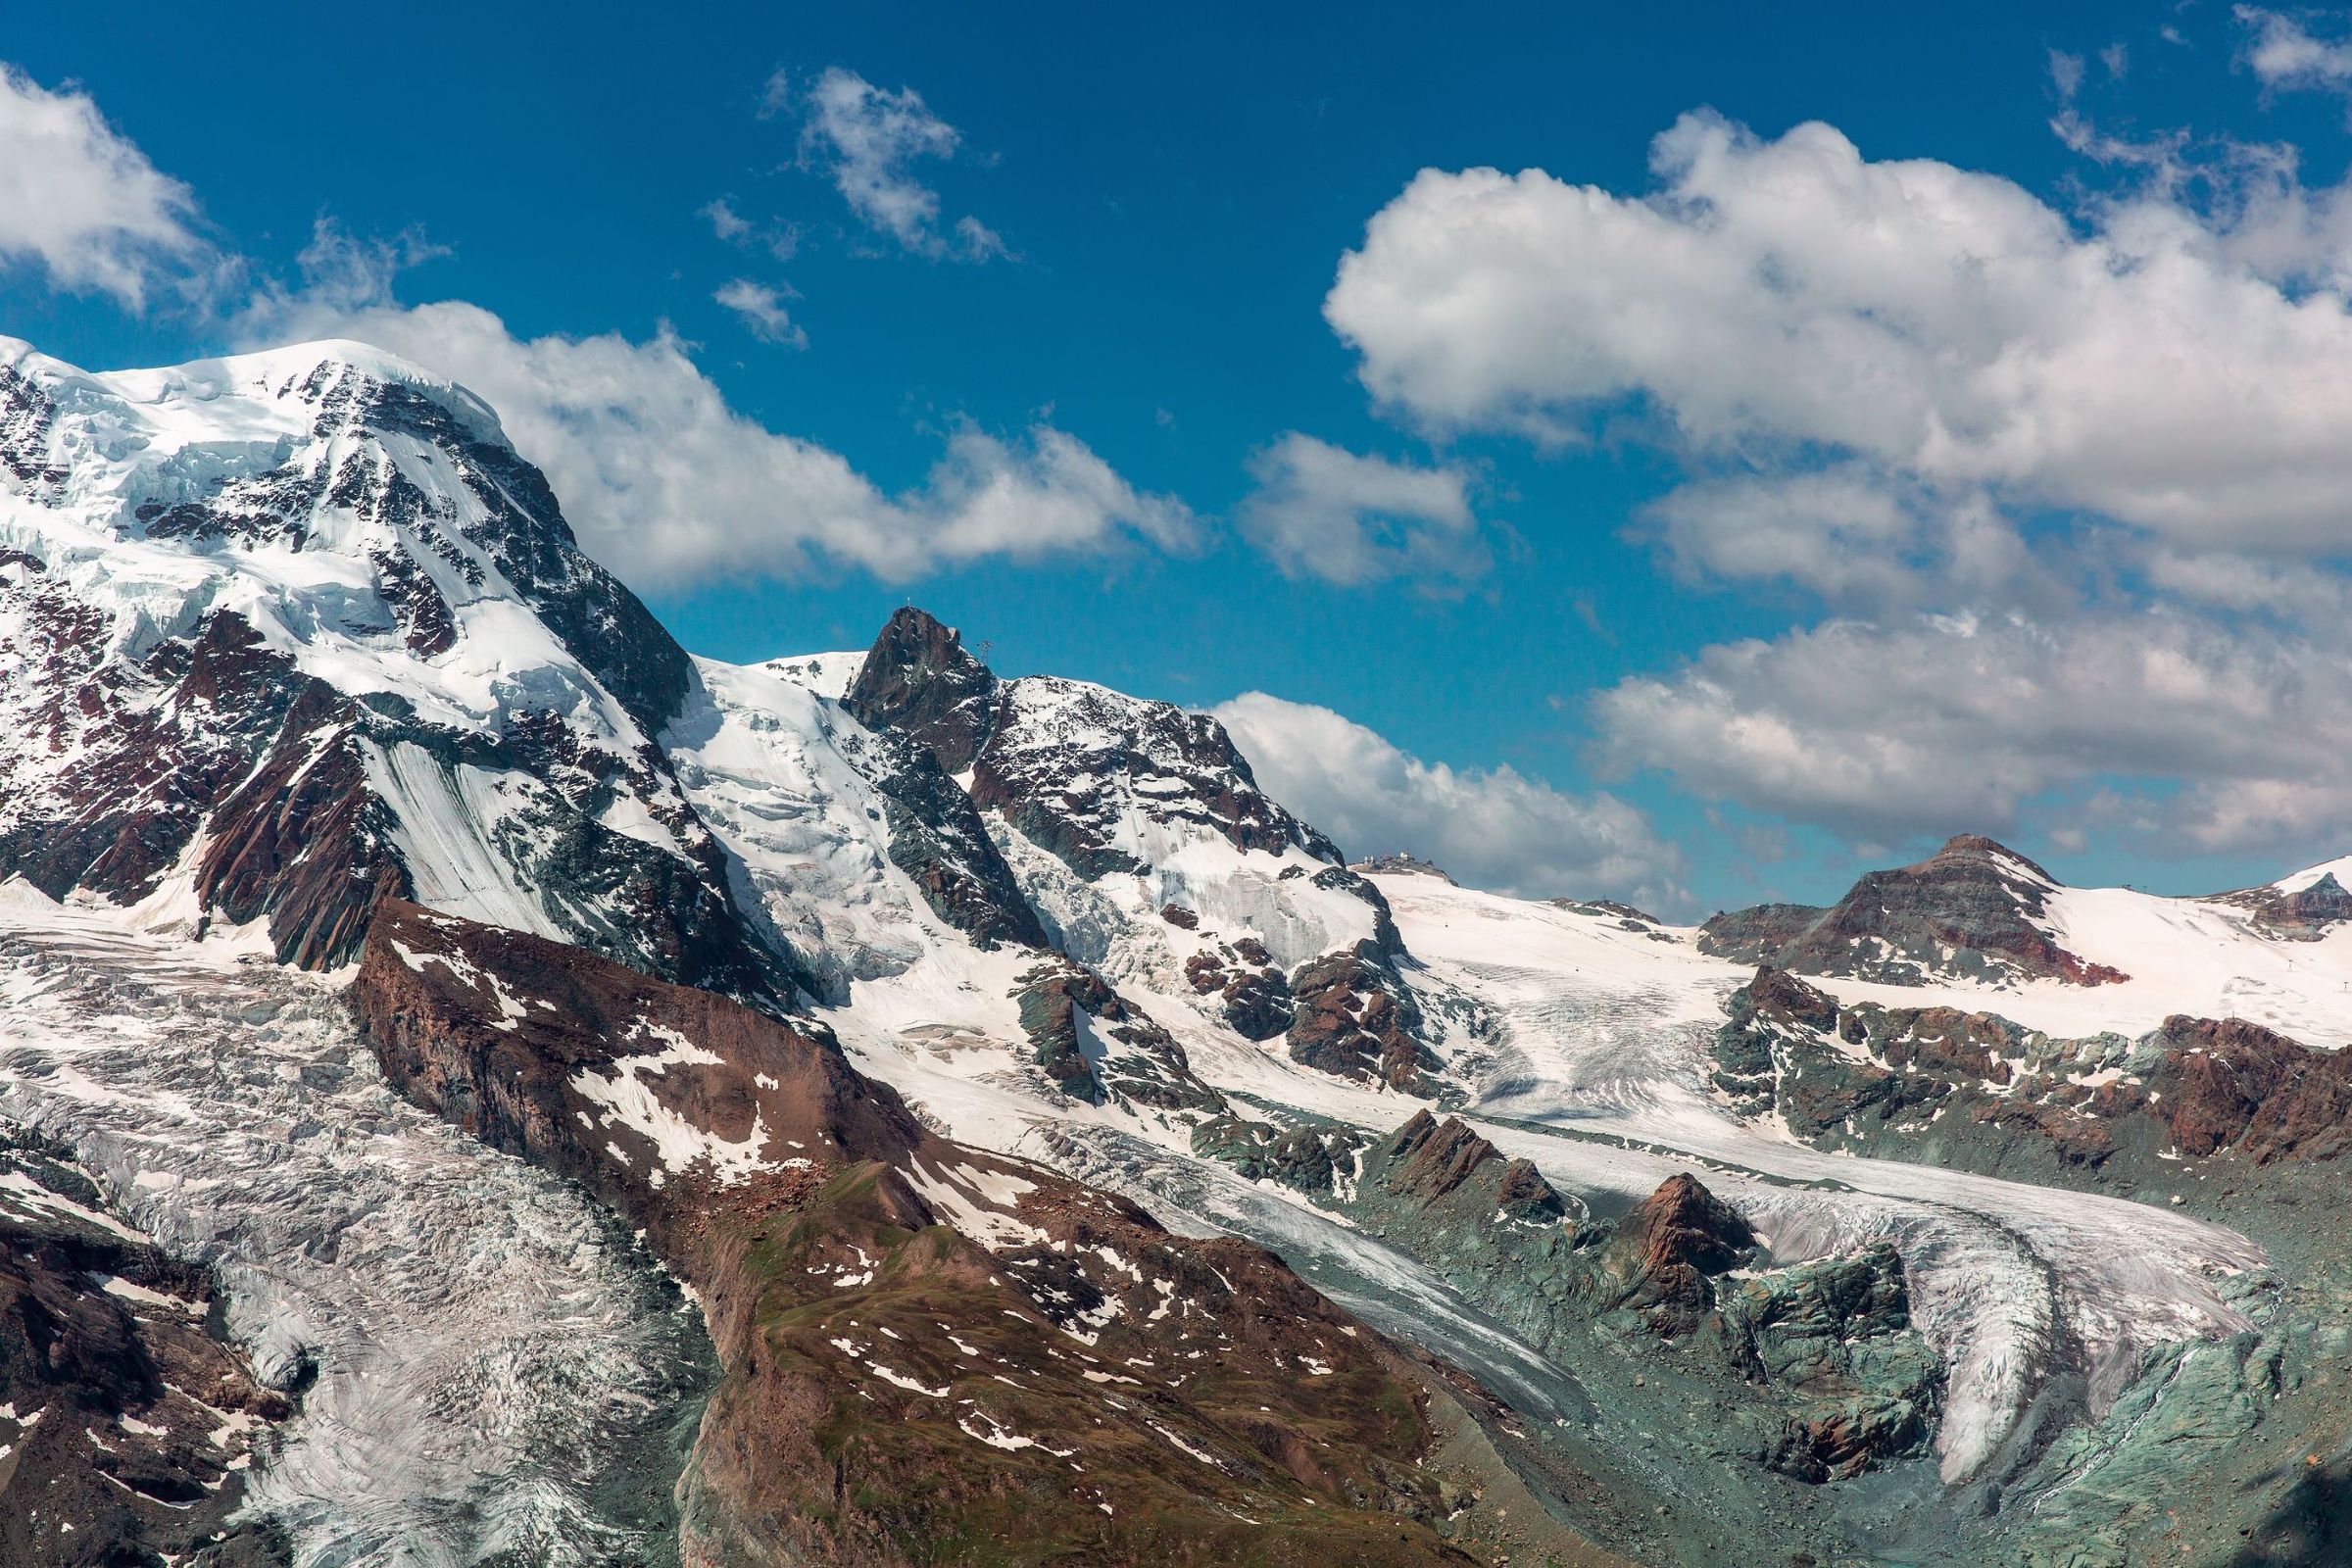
920	680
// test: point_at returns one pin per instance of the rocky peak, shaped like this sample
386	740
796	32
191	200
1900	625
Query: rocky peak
1667	1246
1428	1159
1975	850
920	680
1683	1223
1976	909
2305	914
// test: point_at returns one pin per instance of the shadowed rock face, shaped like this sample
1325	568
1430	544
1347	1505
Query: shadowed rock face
1973	909
919	1342
919	682
125	1429
938	839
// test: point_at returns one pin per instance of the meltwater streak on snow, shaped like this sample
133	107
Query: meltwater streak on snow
1605	1031
484	1341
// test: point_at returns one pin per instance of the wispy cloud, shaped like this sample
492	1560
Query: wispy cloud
1319	510
1490	828
83	204
869	140
761	310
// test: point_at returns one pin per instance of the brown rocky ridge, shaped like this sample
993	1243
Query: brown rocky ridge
929	1354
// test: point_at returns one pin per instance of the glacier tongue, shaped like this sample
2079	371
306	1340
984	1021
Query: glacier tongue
495	1370
1605	1032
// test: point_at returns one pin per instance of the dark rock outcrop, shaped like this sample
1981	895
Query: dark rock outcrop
938	839
1973	909
1987	1094
1353	1018
919	682
125	1429
1317	1160
1428	1160
2303	915
1255	996
1094	1043
1836	1333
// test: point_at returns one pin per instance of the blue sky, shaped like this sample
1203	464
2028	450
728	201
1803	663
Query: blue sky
1159	205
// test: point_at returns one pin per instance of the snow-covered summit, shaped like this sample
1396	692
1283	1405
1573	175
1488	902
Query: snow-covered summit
319	576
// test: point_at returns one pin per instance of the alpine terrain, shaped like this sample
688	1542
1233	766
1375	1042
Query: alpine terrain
483	1086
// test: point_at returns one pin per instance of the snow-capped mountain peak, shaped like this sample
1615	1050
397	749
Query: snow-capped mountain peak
322	574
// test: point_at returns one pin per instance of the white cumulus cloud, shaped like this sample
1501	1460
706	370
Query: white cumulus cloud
1940	723
1789	296
1319	510
85	204
1490	828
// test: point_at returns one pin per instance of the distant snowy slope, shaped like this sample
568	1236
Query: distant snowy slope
1982	928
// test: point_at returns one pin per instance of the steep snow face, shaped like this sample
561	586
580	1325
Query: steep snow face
310	491
495	1371
785	778
295	625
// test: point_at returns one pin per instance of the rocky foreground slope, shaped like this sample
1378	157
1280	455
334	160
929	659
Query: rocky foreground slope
865	1108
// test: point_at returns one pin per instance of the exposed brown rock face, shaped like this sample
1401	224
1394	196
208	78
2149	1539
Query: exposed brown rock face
1669	1244
1351	1021
929	1354
128	1428
2303	915
1428	1159
527	1045
2213	1086
2233	1085
1970	910
216	731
